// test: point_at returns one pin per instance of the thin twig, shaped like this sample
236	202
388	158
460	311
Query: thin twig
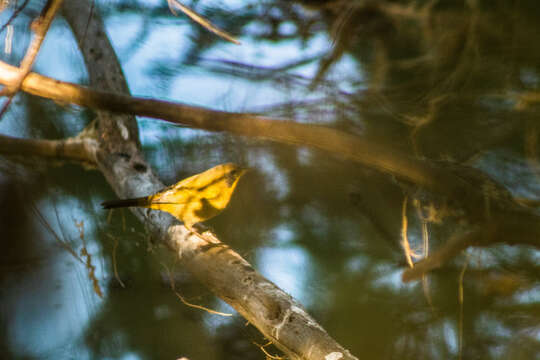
14	15
115	269
200	20
109	216
5	105
404	238
40	27
91	271
268	355
183	300
64	244
425	280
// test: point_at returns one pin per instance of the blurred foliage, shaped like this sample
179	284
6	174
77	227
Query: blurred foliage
444	80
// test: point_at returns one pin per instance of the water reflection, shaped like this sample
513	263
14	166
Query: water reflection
47	298
289	267
48	309
445	82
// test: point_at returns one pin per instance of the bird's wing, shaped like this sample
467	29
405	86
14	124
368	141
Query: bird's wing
174	195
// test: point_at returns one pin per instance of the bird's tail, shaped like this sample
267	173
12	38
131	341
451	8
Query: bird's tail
142	201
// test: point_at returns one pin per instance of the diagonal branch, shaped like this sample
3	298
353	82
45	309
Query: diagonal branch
369	153
359	149
277	315
200	20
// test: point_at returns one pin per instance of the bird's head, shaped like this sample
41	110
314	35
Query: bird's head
232	173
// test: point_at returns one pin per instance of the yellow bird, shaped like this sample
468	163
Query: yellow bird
192	200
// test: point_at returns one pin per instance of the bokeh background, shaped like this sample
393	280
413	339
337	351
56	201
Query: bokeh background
442	80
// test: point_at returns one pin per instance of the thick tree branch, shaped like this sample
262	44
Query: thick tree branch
422	173
369	153
278	316
123	128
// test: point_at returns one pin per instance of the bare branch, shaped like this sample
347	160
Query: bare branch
374	154
369	153
361	150
78	149
200	20
40	26
184	301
